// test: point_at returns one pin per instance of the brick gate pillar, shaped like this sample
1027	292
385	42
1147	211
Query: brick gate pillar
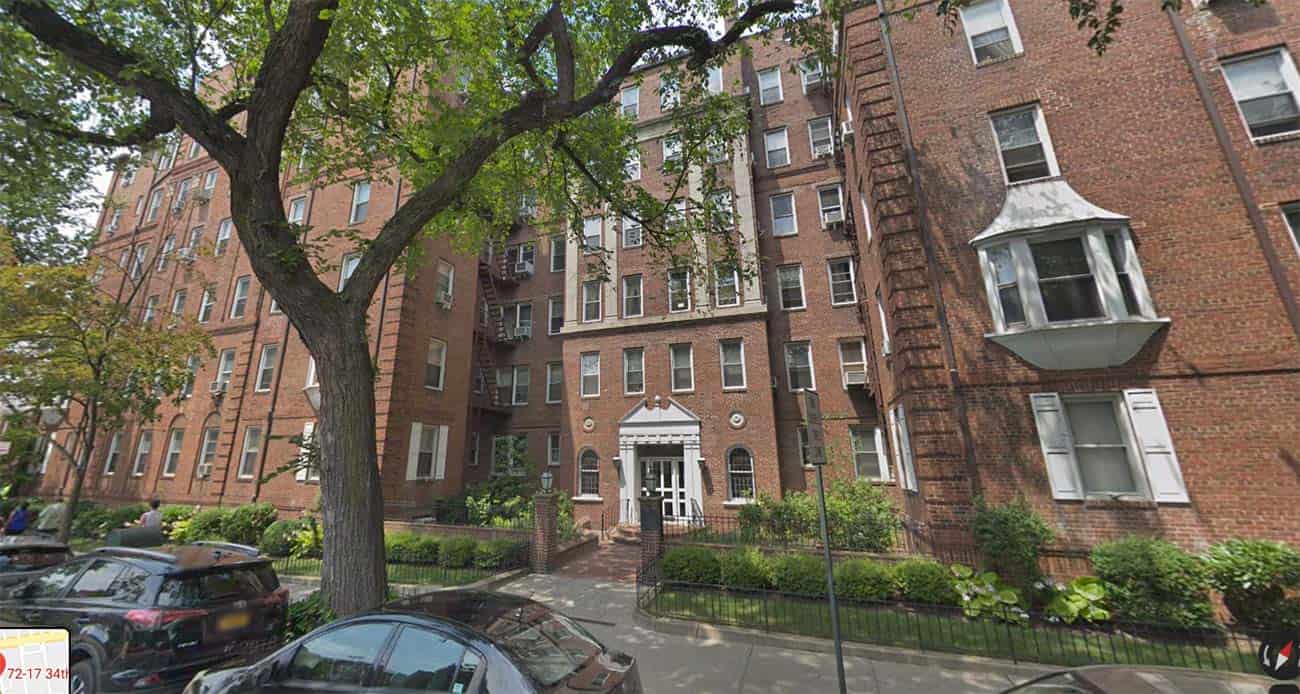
652	529
545	531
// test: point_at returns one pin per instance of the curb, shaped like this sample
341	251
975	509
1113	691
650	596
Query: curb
949	661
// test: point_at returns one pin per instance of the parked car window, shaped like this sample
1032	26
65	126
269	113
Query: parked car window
53	583
242	583
129	586
422	660
340	656
97	581
548	645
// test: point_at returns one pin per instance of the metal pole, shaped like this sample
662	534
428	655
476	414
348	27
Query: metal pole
830	582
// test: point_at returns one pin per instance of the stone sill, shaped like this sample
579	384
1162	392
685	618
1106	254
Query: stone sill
738	503
588	499
998	61
1280	137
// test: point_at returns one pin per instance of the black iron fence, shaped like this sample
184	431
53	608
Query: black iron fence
947	629
403	577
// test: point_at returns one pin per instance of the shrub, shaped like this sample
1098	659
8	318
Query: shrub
984	595
1011	537
1151	580
457	552
502	553
746	568
205	525
1081	599
171	515
802	574
308	541
926	581
307	614
245	524
863	579
277	539
411	547
691	565
1254	576
860	516
89	520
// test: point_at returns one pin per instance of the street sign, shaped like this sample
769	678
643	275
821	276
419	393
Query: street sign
810	406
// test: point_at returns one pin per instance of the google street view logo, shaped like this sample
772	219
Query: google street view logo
1280	657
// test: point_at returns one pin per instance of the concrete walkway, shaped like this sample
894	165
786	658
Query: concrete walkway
670	663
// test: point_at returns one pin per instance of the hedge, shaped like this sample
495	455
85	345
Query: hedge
861	579
1154	581
691	565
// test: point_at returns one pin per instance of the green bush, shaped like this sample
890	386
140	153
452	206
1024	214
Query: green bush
245	524
985	596
1011	537
277	539
307	614
803	574
1082	600
1150	580
691	565
411	547
205	525
122	516
308	541
457	552
925	581
171	515
502	553
863	579
859	516
745	568
89	520
1254	577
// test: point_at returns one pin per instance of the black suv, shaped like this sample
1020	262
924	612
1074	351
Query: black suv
145	620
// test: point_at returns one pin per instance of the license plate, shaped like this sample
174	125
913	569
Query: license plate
233	621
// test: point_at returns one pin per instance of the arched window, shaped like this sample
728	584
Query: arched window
740	474
588	474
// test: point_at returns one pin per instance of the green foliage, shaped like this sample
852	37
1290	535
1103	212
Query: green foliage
746	568
1254	577
863	579
802	574
208	524
171	515
307	614
308	541
457	552
93	521
859	516
1151	580
277	539
245	524
985	596
1080	599
501	553
411	547
926	581
691	565
1011	537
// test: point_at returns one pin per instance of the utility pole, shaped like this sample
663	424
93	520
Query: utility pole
812	419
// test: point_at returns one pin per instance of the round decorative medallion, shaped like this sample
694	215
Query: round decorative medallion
736	420
588	424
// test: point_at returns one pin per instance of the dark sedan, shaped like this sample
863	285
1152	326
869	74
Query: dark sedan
460	641
23	556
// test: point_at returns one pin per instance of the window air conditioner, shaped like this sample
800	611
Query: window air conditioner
855	378
444	300
823	150
524	268
218	387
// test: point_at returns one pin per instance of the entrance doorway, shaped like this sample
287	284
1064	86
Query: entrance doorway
666	477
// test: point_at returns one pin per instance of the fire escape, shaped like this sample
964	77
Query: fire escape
495	272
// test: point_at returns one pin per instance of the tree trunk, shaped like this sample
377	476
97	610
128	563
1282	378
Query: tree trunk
80	464
352	502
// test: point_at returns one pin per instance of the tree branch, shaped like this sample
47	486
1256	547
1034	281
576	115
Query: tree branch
139	134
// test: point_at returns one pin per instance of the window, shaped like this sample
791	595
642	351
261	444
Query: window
298	209
509	453
675	214
783	223
726	285
182	194
240	302
223	237
446	282
1065	280
777	147
115	222
210	182
554	382
902	443
714	81
590	374
1023	144
558	251
669	91
191	363
225	366
142	452
805	457
811	73
1265	88
631	233
740	475
343	656
853	362
672	148
555	314
631	101
527	255
252	444
632	296
1109	445
474	449
206	302
632	167
114	452
360	202
155	204
1292	214
553	448
831	205
868	461
427	452
634	371
682	364
138	265
435	364
799	366
207	452
1002	273
150	309
733	364
679	290
192	245
884	325
990	30
517	319
718	151
139	205
95	581
194	149
591	234
588	474
591	301
820	139
175	440
723	209
422	660
347	267
52	583
843	283
790	285
266	367
769	86
512	385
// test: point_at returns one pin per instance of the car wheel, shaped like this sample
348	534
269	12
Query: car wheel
81	678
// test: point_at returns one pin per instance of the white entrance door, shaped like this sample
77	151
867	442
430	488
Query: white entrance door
666	477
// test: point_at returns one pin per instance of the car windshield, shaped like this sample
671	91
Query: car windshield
220	584
549	646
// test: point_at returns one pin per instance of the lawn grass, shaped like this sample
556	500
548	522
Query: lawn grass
944	629
397	573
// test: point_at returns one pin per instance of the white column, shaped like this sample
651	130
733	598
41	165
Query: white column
747	218
609	232
628	510
695	191
571	294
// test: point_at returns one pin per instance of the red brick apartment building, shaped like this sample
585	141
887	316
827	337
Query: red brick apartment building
1007	266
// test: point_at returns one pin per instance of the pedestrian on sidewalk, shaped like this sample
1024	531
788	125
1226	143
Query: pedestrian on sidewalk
17	522
153	517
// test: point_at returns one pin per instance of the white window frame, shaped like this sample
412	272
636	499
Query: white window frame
552	449
587	455
807	71
172	457
640	295
1044	140
713	79
554	367
780	290
165	253
812	370
348	265
207	453
592	288
441	363
143	451
687	307
884	324
828	144
1289	74
312	380
179	297
252	447
582	375
155	205
853	280
632	166
360	208
630	108
558	242
239	301
114	452
590	224
901	440
784	134
672	367
794	217
780	90
733	275
860	365
639	353
266	368
523	378
445	274
752	473
298	209
629	224
551	314
224	228
150	309
1291	216
226	365
670	92
210	181
824	212
1009	22
671	148
875	436
722	364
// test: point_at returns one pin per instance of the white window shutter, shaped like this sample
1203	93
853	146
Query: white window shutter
413	452
1058	445
905	444
880	454
440	462
308	428
1156	446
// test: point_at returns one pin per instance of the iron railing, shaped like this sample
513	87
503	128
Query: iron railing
403	577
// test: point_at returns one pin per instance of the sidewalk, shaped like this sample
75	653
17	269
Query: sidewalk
680	663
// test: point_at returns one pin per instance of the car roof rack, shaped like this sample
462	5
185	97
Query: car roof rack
248	550
136	552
